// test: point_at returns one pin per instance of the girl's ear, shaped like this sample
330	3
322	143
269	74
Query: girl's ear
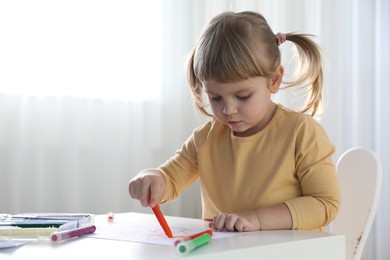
276	79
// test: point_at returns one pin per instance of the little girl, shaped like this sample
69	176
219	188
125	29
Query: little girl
261	166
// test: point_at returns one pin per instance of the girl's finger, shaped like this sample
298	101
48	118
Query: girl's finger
219	221
230	222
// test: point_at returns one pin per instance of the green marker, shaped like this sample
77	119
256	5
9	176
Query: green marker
190	245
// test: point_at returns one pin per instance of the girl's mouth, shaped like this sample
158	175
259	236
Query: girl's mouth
233	123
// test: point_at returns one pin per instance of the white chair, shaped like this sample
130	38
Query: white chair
360	176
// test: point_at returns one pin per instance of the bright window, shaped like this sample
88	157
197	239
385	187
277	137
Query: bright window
97	49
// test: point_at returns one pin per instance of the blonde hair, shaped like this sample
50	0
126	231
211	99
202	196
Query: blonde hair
238	46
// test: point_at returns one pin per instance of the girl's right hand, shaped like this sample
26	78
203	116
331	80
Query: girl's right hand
148	187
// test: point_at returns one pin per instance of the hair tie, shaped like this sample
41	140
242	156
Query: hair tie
280	38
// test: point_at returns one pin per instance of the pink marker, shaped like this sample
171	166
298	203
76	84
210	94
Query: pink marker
66	234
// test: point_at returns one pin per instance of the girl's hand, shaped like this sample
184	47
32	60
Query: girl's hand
241	222
148	187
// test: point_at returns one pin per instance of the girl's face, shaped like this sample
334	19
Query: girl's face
244	106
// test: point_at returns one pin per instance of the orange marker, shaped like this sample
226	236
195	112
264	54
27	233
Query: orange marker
161	220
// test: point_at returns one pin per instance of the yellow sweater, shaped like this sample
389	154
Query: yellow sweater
289	161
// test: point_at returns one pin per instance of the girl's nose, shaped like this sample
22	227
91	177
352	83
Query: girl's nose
229	108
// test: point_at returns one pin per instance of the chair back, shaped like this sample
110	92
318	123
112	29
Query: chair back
360	175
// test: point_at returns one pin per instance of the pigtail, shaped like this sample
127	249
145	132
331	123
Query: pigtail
310	72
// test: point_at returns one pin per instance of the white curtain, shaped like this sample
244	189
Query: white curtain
74	154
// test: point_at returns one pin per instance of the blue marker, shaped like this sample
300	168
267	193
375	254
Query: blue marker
190	245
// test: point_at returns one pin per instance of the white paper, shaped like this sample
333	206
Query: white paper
145	229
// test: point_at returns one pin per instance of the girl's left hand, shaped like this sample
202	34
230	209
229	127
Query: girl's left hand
241	222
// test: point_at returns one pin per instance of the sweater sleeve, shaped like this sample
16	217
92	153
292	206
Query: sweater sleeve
181	170
316	173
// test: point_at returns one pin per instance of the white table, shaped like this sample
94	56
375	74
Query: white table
284	244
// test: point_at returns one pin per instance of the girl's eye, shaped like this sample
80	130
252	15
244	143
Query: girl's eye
217	98
244	97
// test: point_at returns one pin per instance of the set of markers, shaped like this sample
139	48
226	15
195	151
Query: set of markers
45	226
